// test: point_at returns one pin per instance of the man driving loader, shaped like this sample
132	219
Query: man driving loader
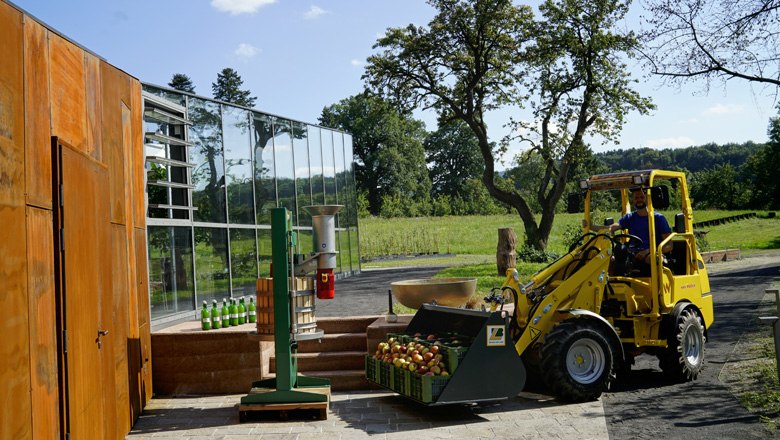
636	223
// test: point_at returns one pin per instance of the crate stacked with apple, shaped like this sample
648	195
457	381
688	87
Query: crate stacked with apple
416	365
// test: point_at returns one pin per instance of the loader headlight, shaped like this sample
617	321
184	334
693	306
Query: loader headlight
584	184
638	180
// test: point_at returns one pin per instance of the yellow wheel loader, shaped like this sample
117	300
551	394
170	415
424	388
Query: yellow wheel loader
581	320
584	318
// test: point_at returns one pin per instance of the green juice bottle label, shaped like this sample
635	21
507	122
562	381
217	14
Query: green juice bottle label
252	310
225	314
233	313
241	311
205	317
215	320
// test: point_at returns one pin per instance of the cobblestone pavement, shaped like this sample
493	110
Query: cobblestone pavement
374	415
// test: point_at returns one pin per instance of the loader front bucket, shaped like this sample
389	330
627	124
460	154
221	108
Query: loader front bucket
485	366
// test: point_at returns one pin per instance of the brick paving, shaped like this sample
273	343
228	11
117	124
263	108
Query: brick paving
374	415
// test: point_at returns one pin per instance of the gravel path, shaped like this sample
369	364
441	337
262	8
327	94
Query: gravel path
647	406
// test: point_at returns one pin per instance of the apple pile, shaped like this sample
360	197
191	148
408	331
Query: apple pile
416	357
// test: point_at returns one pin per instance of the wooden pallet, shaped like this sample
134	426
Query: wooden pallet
284	411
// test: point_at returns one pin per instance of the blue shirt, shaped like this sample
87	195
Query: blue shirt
637	225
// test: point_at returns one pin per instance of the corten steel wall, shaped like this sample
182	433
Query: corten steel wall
50	87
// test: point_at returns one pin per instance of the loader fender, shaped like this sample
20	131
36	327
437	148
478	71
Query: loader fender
608	329
669	321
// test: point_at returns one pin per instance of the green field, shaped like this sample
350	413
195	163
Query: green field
478	235
467	245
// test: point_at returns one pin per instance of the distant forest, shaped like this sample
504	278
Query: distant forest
730	176
691	159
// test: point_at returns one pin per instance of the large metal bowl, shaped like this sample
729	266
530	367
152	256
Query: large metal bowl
452	292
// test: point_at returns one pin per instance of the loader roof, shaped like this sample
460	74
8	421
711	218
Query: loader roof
626	179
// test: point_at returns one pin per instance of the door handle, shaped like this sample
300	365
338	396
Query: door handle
101	333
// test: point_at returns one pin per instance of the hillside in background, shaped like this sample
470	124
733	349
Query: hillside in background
693	159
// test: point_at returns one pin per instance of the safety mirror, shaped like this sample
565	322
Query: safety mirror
660	196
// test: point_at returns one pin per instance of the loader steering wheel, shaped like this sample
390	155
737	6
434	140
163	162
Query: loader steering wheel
623	254
631	238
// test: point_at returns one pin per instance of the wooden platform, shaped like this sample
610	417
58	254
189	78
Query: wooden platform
285	411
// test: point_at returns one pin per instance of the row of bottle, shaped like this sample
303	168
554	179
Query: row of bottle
236	313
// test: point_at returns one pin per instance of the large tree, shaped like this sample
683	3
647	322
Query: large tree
478	55
228	89
453	157
761	168
180	81
714	40
388	146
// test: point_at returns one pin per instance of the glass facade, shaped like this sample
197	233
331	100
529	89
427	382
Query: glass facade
219	169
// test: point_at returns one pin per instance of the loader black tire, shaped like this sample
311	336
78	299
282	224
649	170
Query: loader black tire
578	361
683	359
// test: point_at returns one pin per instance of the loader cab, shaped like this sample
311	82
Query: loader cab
611	196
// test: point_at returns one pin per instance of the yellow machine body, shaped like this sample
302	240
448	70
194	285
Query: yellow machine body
583	283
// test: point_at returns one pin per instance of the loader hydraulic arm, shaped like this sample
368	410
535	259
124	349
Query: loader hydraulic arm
574	281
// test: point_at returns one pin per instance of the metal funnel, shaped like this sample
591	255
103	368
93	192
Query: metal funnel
323	209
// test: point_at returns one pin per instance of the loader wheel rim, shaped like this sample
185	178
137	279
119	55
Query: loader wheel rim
585	361
692	343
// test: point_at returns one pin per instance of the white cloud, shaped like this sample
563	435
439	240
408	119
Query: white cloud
245	51
724	109
237	7
357	63
314	12
673	142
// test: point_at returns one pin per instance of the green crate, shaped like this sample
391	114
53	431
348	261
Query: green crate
426	389
372	369
385	377
399	380
453	357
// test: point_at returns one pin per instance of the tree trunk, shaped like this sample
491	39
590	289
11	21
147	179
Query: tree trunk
506	257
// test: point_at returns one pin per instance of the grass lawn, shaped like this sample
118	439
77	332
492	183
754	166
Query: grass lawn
467	244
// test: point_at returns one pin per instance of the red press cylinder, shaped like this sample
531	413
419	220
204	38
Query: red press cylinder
325	284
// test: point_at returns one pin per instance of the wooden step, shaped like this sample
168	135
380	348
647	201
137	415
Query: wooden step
350	324
327	361
335	342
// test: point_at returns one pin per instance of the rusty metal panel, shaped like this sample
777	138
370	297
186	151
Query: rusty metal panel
120	264
15	406
114	84
142	277
43	315
127	161
146	371
86	235
94	106
138	162
67	90
37	115
145	333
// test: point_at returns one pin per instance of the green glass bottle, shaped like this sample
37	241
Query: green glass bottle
225	314
215	320
241	311
233	313
205	317
251	310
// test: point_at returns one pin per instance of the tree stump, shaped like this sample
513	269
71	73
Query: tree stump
506	257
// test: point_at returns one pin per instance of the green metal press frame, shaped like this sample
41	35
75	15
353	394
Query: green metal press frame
288	386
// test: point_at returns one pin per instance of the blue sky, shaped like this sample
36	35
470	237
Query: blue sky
298	57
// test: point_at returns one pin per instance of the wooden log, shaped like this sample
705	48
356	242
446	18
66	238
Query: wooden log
506	257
